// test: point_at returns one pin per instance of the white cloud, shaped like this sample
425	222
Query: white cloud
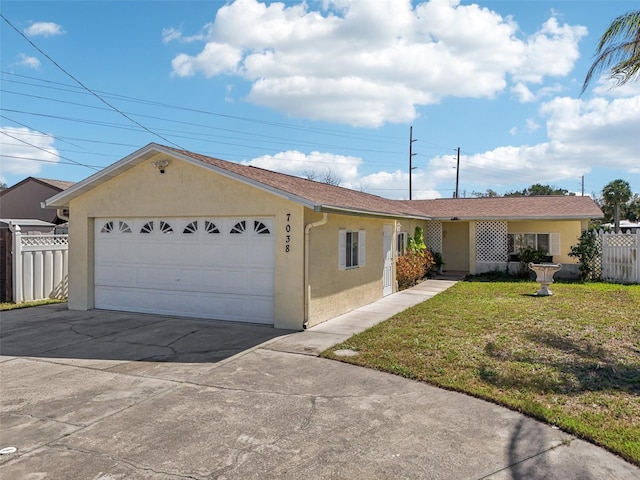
583	135
44	29
607	87
523	93
29	62
297	163
532	125
21	150
173	34
369	63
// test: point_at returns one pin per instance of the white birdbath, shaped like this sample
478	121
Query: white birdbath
544	276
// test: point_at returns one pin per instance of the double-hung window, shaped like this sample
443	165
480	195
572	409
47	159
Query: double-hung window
351	246
548	242
402	243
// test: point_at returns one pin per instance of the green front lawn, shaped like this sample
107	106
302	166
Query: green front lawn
571	360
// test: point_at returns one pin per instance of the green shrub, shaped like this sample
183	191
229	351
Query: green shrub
530	255
416	244
586	251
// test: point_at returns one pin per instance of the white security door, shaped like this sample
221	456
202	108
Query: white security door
387	272
218	268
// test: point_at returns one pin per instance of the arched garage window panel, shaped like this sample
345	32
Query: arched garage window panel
239	228
191	227
147	227
124	227
110	227
165	227
260	228
210	227
107	228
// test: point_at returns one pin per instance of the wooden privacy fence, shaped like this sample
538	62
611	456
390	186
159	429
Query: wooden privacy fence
39	266
619	257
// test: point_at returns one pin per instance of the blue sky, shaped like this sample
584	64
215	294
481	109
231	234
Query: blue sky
322	86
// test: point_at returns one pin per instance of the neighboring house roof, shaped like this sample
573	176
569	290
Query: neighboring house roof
321	197
61	184
57	184
25	222
511	208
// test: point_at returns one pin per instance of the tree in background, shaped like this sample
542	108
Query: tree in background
3	186
327	176
618	50
538	189
632	209
615	194
488	193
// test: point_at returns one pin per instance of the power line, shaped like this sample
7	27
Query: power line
84	86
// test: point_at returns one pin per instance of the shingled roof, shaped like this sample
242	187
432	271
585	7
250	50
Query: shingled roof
323	197
319	196
61	184
512	208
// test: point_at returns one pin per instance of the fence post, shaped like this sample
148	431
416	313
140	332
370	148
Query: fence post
16	251
637	254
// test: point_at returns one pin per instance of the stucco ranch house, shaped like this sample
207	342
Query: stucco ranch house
173	232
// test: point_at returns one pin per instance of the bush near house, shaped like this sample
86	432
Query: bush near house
412	267
416	263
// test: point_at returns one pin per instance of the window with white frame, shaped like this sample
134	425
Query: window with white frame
402	243
351	249
548	242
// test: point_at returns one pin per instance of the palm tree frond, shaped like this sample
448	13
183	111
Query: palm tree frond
618	50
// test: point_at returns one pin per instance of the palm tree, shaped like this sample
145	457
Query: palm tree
619	48
616	193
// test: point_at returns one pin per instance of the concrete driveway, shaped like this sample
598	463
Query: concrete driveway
108	395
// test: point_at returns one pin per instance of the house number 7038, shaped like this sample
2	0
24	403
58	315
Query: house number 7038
287	238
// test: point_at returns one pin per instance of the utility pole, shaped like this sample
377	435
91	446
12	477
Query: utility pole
583	185
411	154
457	173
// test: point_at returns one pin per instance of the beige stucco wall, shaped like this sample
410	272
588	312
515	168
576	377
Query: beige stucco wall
334	291
569	231
186	190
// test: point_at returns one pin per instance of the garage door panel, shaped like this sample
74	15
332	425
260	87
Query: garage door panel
120	273
187	304
198	269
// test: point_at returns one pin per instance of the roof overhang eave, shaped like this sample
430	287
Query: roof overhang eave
365	213
528	218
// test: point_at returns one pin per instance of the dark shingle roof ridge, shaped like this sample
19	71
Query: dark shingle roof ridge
272	172
312	190
63	184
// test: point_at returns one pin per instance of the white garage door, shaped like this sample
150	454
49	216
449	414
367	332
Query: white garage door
220	268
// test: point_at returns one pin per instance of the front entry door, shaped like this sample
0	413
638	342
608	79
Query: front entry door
387	272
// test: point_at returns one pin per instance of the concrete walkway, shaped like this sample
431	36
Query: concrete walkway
337	330
119	396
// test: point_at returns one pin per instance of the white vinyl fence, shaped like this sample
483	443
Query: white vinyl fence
619	259
40	266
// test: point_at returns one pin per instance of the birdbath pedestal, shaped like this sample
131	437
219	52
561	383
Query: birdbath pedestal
544	276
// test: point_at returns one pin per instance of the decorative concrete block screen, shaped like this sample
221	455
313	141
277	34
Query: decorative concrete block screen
492	242
39	266
433	236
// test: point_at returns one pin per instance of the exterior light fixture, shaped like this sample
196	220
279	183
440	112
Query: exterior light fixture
160	164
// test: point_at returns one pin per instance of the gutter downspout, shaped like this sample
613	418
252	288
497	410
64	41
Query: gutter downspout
61	215
59	212
307	285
